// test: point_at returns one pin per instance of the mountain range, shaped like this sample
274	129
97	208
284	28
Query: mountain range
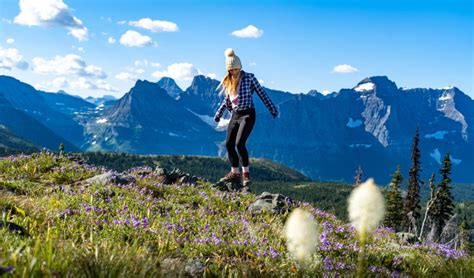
326	137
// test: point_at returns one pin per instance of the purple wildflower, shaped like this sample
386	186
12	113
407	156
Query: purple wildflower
145	222
328	264
273	253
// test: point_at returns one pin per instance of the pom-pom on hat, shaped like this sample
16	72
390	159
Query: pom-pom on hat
232	61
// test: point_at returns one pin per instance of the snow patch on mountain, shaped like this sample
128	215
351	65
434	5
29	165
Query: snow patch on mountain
175	135
365	87
352	123
436	155
446	105
360	146
455	161
101	121
439	135
221	126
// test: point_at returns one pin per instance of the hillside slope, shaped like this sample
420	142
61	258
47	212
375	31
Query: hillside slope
211	168
134	224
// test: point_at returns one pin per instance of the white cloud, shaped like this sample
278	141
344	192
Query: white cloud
82	84
62	83
155	65
10	41
139	71
261	81
111	40
94	71
6	20
70	64
121	22
79	33
345	68
135	39
126	76
59	83
253	64
102	85
155	26
248	32
141	63
11	58
80	49
50	13
178	71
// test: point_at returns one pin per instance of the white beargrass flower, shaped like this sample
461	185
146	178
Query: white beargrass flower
302	235
366	207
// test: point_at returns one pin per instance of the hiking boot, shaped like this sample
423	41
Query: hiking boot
246	179
231	177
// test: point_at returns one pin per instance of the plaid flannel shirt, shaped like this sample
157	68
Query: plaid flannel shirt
248	84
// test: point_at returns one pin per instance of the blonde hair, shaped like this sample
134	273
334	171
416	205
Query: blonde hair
229	85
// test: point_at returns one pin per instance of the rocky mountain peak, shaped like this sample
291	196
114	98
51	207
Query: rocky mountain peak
377	83
203	81
170	86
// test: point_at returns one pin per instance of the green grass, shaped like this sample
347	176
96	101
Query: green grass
130	230
210	168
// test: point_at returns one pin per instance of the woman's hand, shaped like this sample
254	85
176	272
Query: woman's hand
274	114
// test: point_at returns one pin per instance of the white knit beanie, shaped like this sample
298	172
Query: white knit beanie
232	61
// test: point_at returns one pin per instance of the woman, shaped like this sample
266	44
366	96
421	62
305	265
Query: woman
238	87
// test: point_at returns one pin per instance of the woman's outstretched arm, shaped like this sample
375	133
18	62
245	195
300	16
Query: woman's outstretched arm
264	97
221	109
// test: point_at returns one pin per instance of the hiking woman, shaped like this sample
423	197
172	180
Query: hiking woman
238	87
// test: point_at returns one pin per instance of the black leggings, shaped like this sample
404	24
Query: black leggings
240	126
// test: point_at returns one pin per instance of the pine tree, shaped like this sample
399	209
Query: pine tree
358	176
394	214
61	148
444	204
412	200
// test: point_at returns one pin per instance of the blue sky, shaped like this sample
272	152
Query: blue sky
101	47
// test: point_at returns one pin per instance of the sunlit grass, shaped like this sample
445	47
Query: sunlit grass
130	229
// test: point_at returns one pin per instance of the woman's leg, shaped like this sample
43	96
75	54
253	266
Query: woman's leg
247	123
232	131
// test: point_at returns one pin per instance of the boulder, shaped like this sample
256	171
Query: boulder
160	171
109	177
177	267
409	238
171	267
228	186
194	268
275	203
178	176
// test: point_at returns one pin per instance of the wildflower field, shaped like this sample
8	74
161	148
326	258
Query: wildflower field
54	224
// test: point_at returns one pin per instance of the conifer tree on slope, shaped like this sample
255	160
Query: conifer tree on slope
411	210
394	214
444	204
